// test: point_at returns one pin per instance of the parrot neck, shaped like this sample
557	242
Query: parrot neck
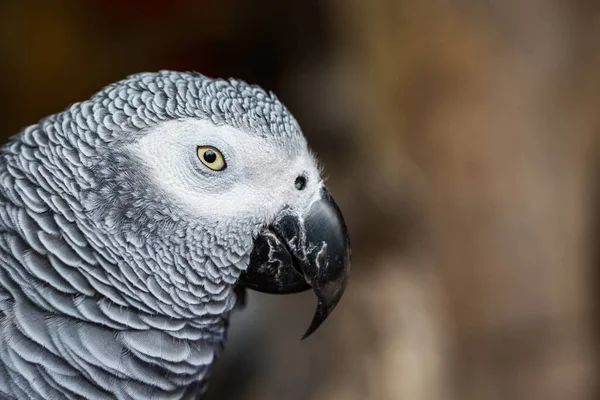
172	306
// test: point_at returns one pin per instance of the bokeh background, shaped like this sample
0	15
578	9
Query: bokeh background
460	138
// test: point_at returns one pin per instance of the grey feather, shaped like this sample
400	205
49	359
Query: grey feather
105	291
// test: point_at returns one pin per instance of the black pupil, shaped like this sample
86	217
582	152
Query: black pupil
210	156
300	182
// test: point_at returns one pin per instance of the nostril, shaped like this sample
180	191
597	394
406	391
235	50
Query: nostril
300	182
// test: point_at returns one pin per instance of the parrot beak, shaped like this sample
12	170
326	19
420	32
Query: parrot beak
297	252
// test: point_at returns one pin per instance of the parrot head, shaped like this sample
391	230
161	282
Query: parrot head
271	189
231	160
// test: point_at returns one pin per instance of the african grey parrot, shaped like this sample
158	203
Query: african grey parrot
130	221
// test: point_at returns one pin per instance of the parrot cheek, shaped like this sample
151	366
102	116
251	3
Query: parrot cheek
299	251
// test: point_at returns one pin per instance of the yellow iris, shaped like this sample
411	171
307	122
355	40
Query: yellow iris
211	157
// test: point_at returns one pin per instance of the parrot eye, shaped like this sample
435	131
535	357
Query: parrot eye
211	157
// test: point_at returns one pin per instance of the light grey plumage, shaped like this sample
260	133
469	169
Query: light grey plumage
110	287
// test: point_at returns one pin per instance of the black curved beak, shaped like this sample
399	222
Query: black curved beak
297	252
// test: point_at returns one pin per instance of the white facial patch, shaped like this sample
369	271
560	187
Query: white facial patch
257	182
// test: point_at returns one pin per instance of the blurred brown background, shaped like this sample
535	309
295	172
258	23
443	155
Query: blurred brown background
460	140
